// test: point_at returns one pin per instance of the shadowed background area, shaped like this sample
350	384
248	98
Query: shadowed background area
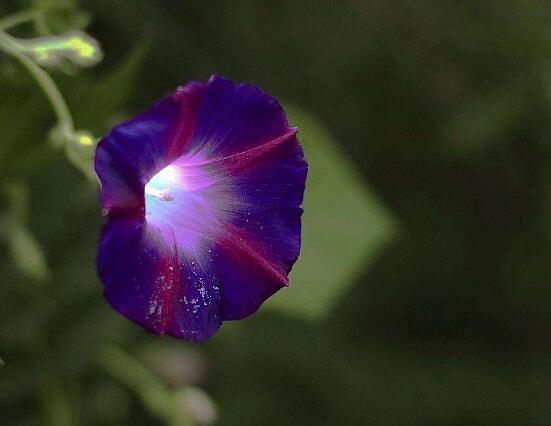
423	293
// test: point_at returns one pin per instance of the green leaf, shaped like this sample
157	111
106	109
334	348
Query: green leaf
345	225
25	250
58	405
28	255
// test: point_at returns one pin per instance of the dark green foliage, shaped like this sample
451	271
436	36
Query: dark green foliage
444	108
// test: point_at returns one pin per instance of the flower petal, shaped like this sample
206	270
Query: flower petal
218	228
258	209
137	149
153	283
254	195
233	119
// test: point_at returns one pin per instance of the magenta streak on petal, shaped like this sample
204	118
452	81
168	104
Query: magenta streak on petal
250	153
236	243
198	174
174	196
189	98
167	286
184	301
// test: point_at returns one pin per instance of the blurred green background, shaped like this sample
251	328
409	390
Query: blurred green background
423	293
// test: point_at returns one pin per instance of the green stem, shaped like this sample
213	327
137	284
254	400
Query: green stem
17	19
58	407
9	45
155	395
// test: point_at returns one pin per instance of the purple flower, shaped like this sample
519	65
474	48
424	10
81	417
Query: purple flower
202	194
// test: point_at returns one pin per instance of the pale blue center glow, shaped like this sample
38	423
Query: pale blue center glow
180	202
160	192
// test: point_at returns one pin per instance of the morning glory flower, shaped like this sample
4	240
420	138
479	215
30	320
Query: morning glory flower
202	194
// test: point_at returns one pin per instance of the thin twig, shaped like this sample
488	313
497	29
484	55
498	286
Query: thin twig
18	19
9	45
